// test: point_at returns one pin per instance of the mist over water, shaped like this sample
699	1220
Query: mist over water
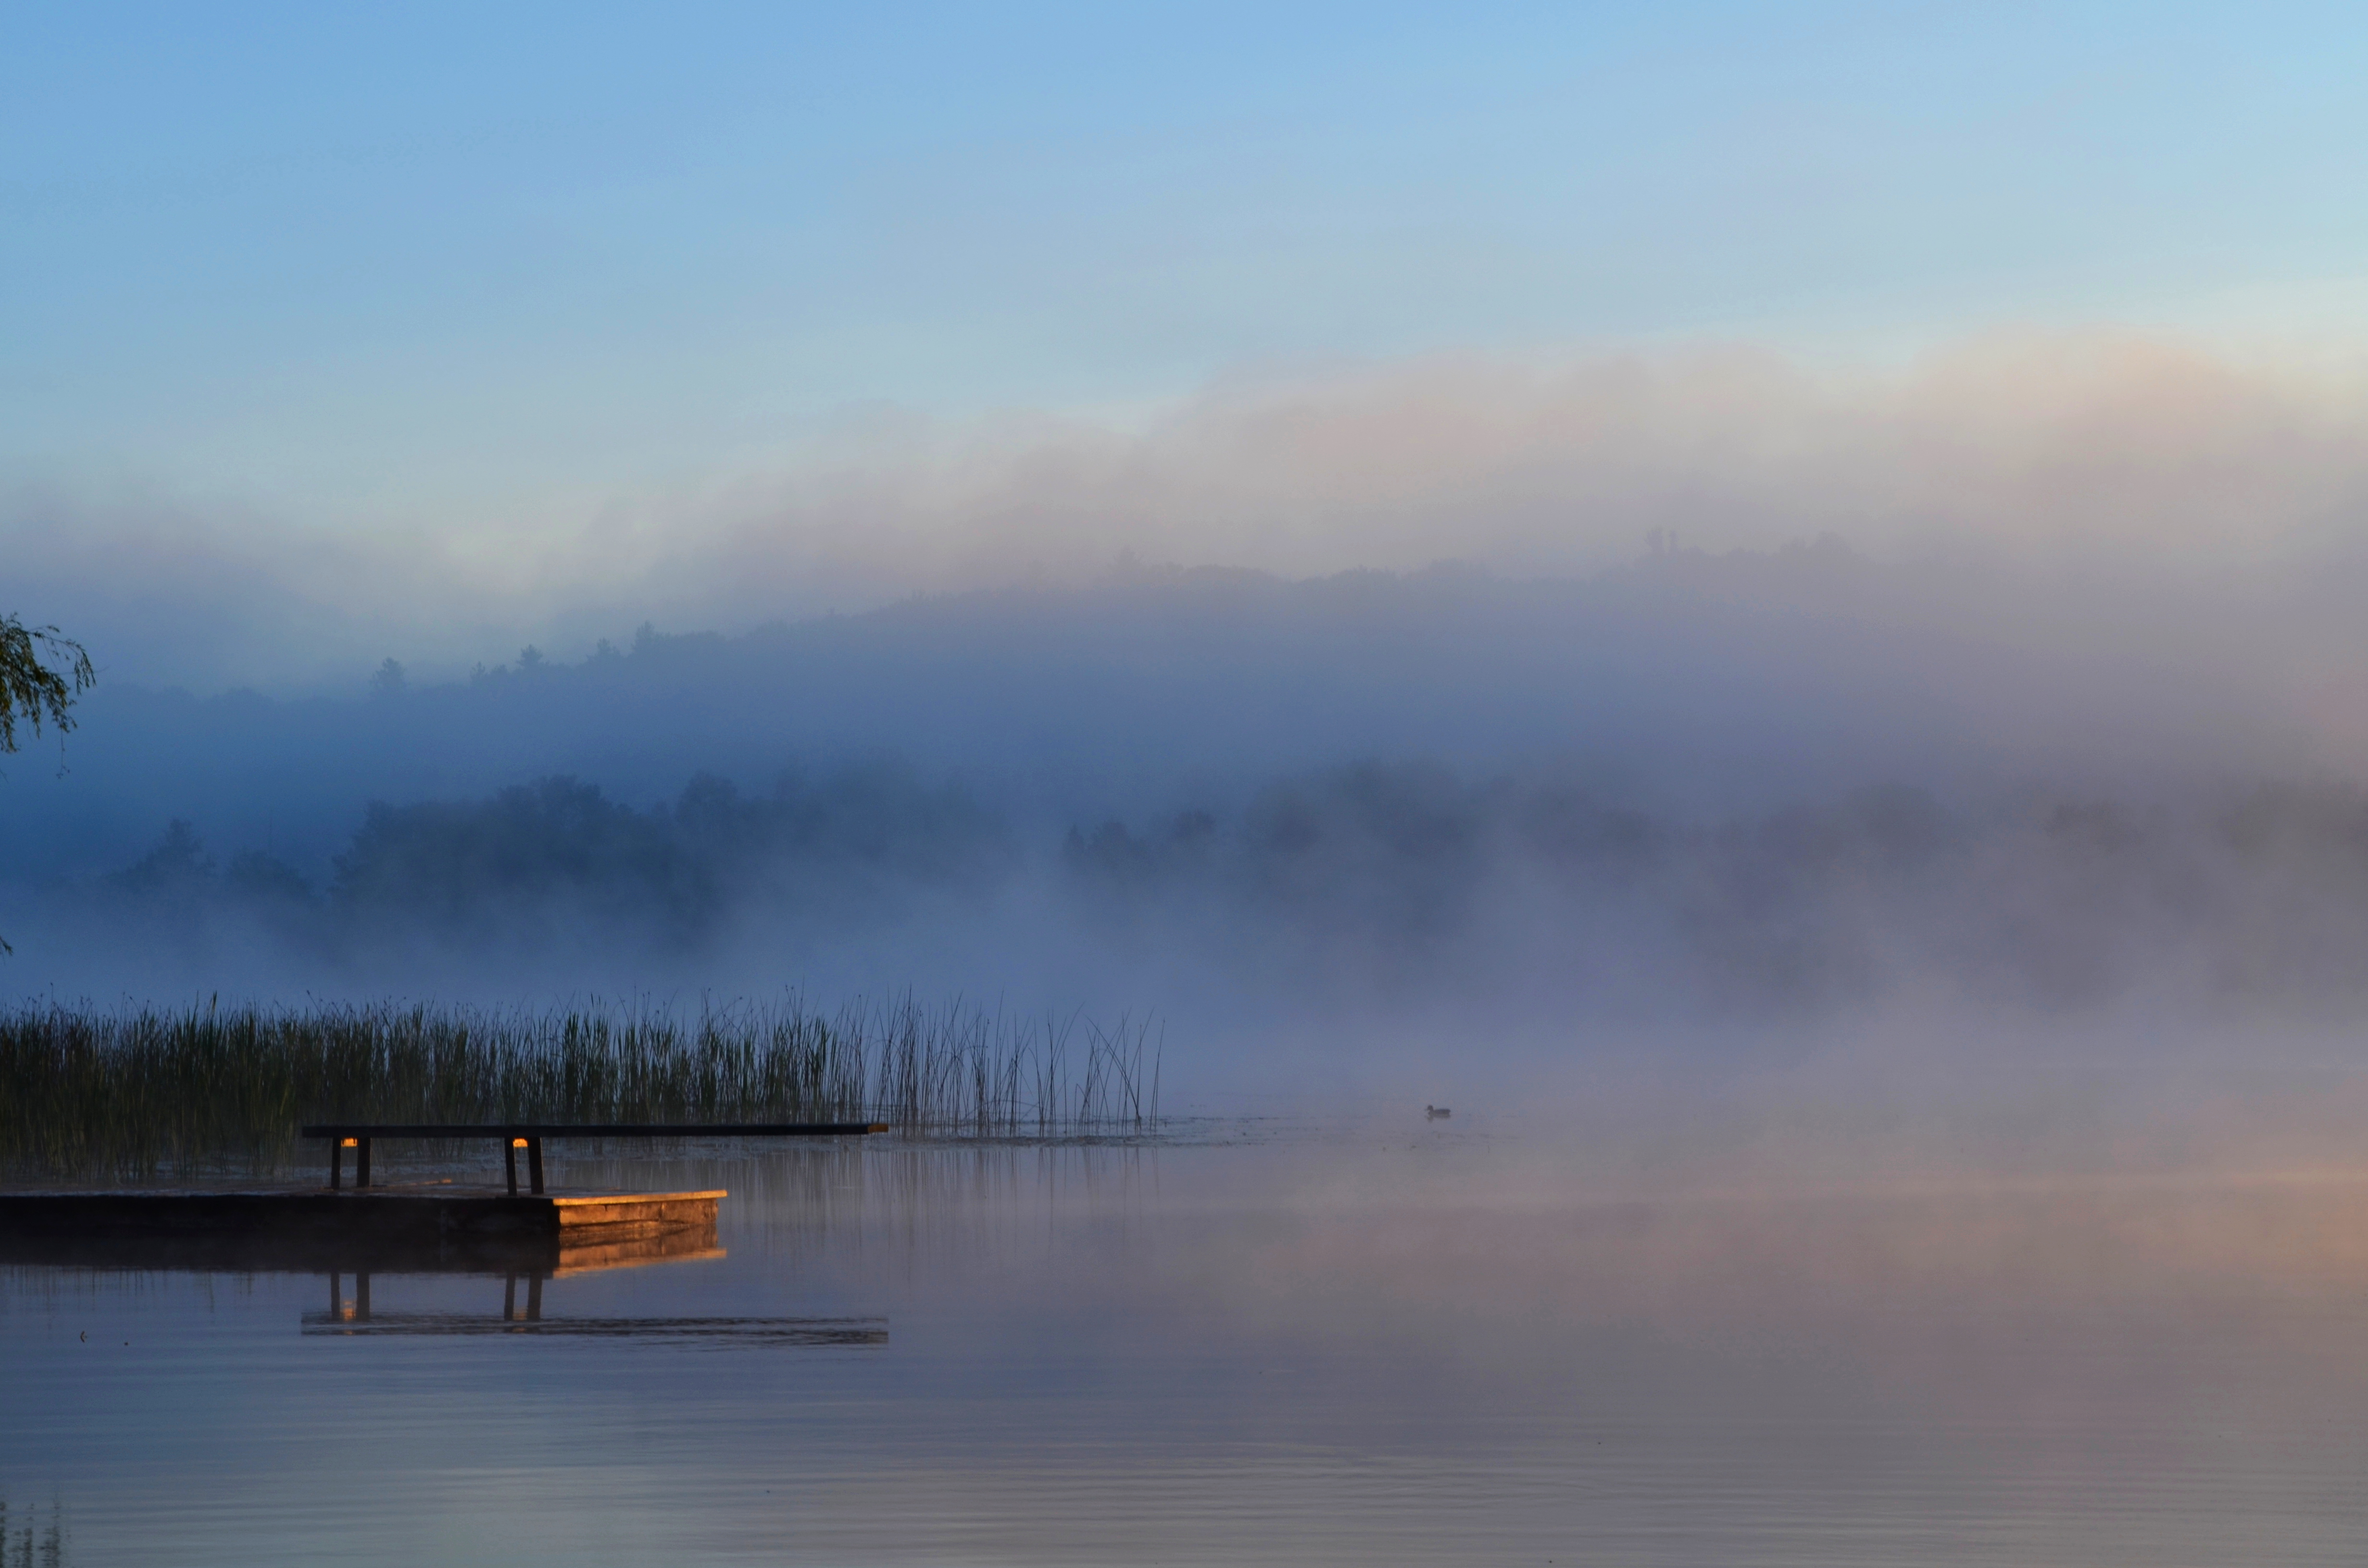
1697	791
1502	785
1358	1340
1488	825
1903	1073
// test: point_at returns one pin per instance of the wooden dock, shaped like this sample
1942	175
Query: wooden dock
354	1236
410	1215
421	1218
437	1228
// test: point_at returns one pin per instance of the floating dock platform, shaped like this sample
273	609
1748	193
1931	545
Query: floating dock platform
313	1251
440	1212
435	1221
432	1226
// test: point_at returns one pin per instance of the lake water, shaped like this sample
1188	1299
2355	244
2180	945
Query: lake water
1385	1342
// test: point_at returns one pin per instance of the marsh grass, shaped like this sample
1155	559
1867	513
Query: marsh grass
139	1090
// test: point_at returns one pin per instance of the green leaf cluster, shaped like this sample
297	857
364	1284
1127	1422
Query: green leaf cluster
41	673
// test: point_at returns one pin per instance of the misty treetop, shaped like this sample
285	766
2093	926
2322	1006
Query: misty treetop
1356	886
520	869
1411	880
457	865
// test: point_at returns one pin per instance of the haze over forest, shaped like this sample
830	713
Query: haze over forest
1519	523
1998	757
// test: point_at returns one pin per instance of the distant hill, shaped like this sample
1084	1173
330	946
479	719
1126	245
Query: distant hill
1685	684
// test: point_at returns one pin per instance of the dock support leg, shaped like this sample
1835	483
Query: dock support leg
534	1169
535	1298
337	1163
361	1163
336	1297
361	1298
509	1162
509	1297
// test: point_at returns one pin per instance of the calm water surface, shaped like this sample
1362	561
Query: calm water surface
1395	1344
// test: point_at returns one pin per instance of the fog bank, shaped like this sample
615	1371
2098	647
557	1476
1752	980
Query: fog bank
1691	693
2083	462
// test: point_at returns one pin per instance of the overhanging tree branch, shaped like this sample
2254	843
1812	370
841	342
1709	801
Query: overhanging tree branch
41	673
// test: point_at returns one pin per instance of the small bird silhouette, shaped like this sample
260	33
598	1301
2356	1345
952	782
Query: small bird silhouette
1435	1111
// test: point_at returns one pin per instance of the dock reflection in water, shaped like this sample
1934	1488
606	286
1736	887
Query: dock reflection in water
356	1274
352	1314
349	1319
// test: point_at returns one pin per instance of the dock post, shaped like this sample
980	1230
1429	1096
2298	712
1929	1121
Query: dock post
361	1298
361	1163
535	1298
534	1165
509	1297
337	1163
509	1162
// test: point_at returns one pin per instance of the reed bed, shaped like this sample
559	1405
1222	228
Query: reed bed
141	1090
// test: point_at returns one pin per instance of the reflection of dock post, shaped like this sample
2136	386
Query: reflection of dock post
361	1298
509	1297
535	1298
336	1296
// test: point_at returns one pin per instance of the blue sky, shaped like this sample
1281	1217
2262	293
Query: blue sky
428	263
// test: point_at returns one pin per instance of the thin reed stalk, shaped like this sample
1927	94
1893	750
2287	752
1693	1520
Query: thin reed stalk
136	1091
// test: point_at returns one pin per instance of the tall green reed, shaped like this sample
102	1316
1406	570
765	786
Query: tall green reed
138	1090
